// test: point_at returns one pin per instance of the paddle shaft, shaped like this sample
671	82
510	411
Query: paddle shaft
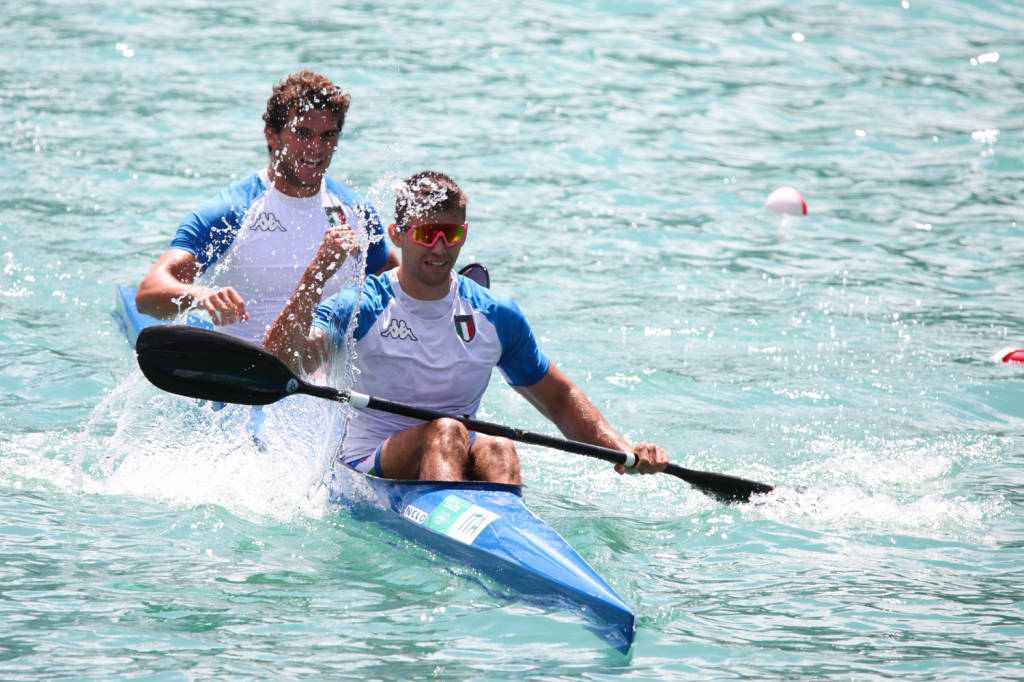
209	365
493	429
702	479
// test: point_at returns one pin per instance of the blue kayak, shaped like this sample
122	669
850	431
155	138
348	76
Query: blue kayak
485	526
131	321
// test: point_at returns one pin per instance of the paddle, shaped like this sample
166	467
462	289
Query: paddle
478	273
209	365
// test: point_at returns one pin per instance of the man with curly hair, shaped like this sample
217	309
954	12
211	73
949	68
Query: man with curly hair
238	256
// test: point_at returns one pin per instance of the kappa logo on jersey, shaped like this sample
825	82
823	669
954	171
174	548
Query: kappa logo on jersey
398	329
335	216
465	327
268	222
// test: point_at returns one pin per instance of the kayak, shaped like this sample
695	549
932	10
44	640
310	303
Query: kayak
484	526
131	321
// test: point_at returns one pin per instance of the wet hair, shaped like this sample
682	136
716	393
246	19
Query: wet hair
301	92
426	193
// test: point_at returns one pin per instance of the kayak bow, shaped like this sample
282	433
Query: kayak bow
487	527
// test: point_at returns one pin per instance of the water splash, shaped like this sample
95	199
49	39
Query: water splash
901	486
187	453
265	462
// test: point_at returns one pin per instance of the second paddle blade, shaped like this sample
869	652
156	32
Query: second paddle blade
209	365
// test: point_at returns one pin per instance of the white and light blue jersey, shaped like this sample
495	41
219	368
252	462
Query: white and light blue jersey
259	240
432	354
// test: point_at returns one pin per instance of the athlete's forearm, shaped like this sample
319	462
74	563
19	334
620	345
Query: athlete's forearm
169	287
164	302
288	338
580	420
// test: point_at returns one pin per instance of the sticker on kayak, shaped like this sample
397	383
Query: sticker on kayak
414	514
459	519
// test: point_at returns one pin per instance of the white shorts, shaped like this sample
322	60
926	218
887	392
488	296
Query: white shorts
369	464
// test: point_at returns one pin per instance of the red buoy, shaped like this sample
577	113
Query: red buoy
1014	356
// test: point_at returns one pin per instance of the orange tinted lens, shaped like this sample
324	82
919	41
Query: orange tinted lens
452	233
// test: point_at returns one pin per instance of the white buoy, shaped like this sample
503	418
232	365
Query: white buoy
786	200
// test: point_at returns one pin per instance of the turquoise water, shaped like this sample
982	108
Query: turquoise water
617	156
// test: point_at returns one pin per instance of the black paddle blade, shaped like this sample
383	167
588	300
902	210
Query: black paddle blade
209	365
722	486
478	273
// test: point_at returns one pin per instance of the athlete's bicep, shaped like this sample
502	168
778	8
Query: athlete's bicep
182	265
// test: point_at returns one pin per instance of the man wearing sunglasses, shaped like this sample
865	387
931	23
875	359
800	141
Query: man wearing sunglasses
429	337
253	241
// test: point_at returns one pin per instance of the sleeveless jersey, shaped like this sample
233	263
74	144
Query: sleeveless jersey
259	240
433	354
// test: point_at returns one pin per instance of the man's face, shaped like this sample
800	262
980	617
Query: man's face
301	151
431	266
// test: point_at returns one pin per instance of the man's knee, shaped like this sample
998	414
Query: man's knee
495	459
450	430
497	446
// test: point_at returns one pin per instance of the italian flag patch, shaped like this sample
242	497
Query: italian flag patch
465	327
335	216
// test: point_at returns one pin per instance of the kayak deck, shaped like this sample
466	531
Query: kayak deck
487	527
